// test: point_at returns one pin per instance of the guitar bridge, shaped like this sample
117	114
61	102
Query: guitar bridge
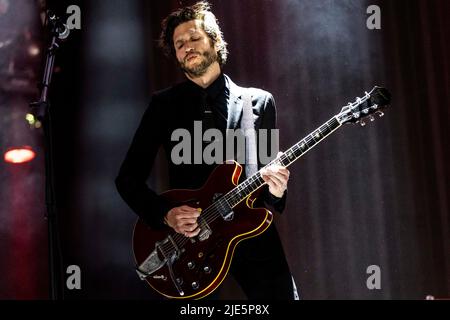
205	230
150	265
153	263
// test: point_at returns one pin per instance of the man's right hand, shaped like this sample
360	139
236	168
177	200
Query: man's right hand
184	220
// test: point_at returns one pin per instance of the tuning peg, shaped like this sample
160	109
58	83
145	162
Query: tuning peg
380	113
371	118
362	123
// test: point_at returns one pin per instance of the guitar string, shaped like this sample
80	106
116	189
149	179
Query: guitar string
285	156
211	213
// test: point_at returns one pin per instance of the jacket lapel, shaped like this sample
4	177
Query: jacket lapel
235	105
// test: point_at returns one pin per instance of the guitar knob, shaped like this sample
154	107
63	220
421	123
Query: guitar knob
195	285
180	281
191	265
207	269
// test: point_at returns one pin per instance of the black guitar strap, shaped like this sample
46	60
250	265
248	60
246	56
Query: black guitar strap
248	126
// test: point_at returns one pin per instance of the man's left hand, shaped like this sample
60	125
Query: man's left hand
276	177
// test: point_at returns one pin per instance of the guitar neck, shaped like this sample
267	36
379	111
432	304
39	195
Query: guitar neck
251	184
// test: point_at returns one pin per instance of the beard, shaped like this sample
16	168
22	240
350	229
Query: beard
207	58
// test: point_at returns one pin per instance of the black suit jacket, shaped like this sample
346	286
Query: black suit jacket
174	108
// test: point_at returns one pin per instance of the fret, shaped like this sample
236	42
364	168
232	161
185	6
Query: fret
290	155
310	142
286	161
333	124
303	146
250	187
325	130
297	151
317	136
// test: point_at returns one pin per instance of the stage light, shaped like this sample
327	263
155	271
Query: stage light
30	118
33	50
18	131
33	121
19	155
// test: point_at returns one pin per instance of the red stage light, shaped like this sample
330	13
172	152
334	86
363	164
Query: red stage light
19	155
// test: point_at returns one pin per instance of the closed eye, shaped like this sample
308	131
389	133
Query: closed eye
179	45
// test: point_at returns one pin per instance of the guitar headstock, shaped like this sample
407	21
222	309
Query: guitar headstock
372	103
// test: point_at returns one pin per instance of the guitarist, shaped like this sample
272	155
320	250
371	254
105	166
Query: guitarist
193	37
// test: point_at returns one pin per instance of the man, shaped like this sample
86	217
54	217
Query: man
193	37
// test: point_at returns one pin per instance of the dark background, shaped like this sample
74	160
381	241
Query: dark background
377	195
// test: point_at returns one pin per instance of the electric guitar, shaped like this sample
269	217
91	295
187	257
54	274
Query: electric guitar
191	268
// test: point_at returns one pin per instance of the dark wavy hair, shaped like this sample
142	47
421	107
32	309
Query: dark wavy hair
199	11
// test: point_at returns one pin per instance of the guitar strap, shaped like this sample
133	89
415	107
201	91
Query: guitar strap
248	126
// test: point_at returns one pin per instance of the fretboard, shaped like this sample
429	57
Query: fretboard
254	182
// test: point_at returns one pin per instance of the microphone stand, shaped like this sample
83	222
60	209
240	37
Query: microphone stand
41	110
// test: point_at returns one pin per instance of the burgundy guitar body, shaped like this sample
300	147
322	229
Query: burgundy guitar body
200	265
